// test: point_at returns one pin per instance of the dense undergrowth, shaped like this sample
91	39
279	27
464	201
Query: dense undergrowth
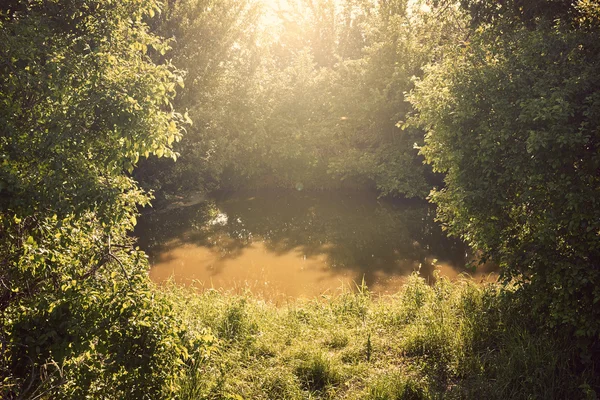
448	340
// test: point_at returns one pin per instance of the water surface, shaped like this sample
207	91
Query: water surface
295	243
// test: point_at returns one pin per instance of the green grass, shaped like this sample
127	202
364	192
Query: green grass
452	340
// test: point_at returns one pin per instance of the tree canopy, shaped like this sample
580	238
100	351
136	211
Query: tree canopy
315	98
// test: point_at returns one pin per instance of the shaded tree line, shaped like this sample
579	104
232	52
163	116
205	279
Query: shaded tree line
315	97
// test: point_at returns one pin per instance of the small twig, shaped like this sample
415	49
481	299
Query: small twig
45	378
122	246
32	378
95	268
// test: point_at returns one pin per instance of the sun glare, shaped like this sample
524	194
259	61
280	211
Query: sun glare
276	11
272	10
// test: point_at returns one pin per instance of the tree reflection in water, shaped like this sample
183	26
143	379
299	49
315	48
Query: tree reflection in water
351	234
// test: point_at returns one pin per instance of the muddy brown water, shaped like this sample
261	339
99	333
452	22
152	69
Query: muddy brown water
300	244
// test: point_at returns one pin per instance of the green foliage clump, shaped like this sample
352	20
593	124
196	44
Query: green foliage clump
235	324
512	120
214	90
316	372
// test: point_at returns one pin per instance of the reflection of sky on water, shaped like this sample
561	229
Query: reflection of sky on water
345	235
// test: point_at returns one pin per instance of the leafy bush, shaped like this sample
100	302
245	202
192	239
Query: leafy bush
512	120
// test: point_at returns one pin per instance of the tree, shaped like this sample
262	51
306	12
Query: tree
370	98
215	43
318	98
80	103
512	120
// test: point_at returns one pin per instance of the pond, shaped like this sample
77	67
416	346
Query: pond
298	243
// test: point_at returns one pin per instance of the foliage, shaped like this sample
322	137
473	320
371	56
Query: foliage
80	103
213	41
397	387
314	99
512	120
510	103
316	372
369	97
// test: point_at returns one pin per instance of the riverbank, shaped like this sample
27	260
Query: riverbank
450	340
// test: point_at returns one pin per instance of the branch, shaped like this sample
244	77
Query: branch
122	269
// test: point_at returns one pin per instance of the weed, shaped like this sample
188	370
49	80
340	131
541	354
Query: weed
338	340
397	386
317	371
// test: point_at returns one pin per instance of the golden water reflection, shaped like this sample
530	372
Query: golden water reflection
278	244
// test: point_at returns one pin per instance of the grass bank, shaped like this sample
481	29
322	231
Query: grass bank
452	340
